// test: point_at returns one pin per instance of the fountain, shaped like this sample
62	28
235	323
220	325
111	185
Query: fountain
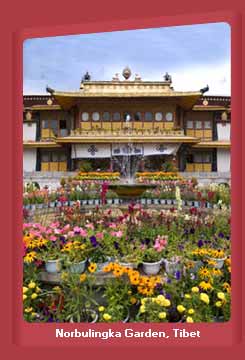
129	164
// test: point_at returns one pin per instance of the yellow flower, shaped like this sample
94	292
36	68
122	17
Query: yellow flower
189	319
204	273
226	286
30	257
166	303
92	267
162	315
191	311
221	296
195	289
129	292
33	314
28	310
133	300
187	296
34	296
180	308
205	298
83	277
107	317
24	297
101	308
24	289
64	276
143	301
142	308
205	285
218	303
32	285
57	289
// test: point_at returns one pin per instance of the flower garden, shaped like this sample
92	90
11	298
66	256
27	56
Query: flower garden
91	256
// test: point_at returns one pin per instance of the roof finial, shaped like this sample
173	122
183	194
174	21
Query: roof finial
126	73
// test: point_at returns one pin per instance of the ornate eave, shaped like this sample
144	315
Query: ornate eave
40	144
126	139
222	144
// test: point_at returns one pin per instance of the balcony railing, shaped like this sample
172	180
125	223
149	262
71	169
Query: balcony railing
126	132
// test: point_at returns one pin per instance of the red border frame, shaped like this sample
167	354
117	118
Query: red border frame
220	339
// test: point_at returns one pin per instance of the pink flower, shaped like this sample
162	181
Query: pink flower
118	234
90	226
112	226
100	235
52	238
83	233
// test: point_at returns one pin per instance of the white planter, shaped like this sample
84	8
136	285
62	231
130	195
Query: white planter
143	201
116	201
162	201
33	207
209	206
149	201
53	266
84	202
156	201
109	201
52	204
71	203
78	268
196	266
189	203
129	265
59	204
100	266
94	317
196	203
171	266
152	268
175	202
96	202
91	202
39	206
169	201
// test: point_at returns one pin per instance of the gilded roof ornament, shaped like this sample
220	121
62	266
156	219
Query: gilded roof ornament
126	73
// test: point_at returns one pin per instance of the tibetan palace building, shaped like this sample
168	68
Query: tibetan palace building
147	120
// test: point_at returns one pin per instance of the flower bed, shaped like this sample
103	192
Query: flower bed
99	176
158	176
191	284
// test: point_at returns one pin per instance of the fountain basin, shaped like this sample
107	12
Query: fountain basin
130	190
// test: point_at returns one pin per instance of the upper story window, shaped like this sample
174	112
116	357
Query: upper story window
116	116
85	116
207	124
158	116
137	116
189	124
148	116
169	116
95	116
198	125
106	116
127	116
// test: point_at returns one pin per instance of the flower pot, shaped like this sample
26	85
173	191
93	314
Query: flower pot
96	202
84	202
218	262
116	201
33	206
53	266
39	206
156	201
162	201
109	201
196	203
59	204
196	266
169	201
209	206
148	201
71	203
91	202
190	203
143	201
130	265
171	266
100	266
92	317
78	268
175	202
152	268
184	203
52	204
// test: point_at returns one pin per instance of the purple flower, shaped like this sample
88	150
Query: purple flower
177	275
169	281
116	245
192	231
200	243
221	235
93	241
168	296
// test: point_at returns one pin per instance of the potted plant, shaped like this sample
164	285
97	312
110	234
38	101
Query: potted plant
52	260
52	199
152	261
173	264
75	258
79	294
154	309
99	257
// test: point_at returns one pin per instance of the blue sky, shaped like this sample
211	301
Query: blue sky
194	55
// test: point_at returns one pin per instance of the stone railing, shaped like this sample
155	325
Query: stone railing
126	132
